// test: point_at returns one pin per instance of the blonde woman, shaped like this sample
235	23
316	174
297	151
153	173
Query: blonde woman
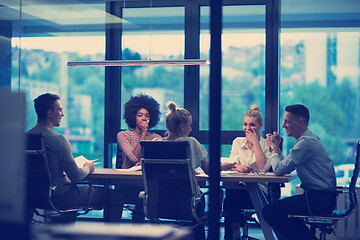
249	153
178	124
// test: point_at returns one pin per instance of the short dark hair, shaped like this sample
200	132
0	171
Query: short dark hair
138	102
43	103
299	110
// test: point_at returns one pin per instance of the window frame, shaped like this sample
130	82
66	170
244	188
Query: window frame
191	73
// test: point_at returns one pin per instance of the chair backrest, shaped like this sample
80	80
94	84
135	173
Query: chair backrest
169	181
353	200
119	157
39	181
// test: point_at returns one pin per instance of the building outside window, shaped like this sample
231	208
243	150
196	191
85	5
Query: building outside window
319	65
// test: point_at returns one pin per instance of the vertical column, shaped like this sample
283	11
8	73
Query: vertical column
215	117
5	54
112	82
64	88
272	53
112	86
192	51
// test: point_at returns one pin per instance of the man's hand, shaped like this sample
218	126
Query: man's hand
273	140
90	165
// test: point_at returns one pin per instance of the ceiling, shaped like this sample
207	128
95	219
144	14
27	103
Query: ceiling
89	17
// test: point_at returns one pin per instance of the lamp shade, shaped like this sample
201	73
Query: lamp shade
116	63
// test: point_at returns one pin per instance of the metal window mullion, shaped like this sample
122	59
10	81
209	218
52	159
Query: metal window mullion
191	73
112	82
272	52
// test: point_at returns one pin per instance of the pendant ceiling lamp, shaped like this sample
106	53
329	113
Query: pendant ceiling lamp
115	63
150	62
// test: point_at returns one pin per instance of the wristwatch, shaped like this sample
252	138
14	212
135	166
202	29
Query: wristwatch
271	149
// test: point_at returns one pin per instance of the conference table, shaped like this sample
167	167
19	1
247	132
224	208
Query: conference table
229	180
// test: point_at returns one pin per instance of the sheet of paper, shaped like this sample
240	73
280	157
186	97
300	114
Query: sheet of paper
134	168
228	172
81	160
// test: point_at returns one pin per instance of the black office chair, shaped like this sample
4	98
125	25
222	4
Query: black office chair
325	224
119	157
40	186
130	201
169	181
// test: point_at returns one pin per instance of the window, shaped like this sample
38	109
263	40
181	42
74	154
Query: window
340	174
44	53
243	67
243	64
159	34
319	64
320	69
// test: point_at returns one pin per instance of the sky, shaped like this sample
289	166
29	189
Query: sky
83	45
146	45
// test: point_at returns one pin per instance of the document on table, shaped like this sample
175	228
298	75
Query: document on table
228	172
200	172
134	168
81	160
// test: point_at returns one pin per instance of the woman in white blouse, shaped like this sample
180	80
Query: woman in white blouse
249	153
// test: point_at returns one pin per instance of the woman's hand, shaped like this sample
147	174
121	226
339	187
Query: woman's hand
227	166
144	126
242	168
252	137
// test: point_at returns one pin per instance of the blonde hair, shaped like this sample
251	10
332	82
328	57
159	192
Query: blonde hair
255	112
174	118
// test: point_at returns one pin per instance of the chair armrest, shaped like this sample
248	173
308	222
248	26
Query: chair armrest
88	207
83	182
307	195
73	184
221	200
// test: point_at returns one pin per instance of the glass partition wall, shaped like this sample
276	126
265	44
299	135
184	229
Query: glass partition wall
159	36
318	65
320	68
243	67
42	38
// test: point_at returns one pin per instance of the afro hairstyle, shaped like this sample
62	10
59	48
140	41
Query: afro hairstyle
137	102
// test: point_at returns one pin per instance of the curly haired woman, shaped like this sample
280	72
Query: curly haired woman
141	113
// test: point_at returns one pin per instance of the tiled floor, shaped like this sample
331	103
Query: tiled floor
254	232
